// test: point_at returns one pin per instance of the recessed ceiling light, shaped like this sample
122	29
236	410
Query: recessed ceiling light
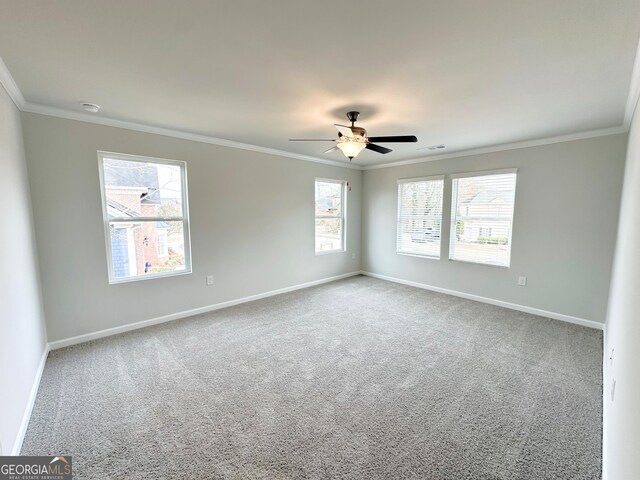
90	107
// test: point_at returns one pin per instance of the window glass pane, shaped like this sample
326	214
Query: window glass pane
420	217
163	246
329	208
482	217
135	248
328	199
328	234
142	189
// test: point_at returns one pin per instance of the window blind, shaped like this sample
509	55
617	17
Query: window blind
420	216
482	217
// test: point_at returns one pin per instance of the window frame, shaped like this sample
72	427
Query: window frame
401	181
342	216
102	155
454	207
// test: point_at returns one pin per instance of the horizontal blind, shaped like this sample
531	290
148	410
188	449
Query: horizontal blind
420	216
482	218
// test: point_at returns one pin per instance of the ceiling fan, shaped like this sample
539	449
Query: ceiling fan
352	140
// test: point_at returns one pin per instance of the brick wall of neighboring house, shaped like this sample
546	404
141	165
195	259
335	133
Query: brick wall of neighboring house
146	239
129	197
144	233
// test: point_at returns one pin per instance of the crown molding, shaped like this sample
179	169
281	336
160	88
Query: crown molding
634	91
168	132
12	89
507	146
10	85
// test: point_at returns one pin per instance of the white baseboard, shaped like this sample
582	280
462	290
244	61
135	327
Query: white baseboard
491	301
188	313
17	446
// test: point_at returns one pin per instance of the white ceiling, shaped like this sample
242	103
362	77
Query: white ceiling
468	74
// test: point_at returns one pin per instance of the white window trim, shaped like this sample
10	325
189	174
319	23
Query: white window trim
482	173
421	179
415	180
343	216
185	225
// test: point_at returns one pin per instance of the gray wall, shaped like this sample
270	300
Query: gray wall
252	225
621	413
564	229
22	332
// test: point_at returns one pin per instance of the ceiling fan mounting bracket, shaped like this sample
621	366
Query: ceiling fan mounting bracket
353	117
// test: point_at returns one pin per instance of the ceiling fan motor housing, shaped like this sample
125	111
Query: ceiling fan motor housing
359	132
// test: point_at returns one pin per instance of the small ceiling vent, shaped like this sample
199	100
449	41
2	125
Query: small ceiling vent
90	107
434	147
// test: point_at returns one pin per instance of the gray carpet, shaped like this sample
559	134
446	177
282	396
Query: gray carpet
359	378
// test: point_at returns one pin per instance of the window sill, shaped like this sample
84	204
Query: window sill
328	252
151	276
480	263
430	257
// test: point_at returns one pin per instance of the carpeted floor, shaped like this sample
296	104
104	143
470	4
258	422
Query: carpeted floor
359	378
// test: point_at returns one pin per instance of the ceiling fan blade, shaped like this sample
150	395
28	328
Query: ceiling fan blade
346	131
377	148
311	140
331	150
398	138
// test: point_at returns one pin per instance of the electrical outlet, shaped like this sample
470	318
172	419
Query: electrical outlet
522	281
209	279
613	389
353	255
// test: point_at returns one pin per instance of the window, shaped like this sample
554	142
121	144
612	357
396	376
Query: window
482	217
420	216
162	242
146	221
330	208
484	231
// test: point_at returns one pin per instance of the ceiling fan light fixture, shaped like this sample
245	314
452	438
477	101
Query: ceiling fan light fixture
351	148
352	140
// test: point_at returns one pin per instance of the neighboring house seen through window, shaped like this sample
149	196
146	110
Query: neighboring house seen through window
482	217
420	216
330	216
144	203
162	241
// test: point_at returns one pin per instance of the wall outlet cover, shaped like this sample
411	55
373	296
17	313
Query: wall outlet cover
209	279
522	281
